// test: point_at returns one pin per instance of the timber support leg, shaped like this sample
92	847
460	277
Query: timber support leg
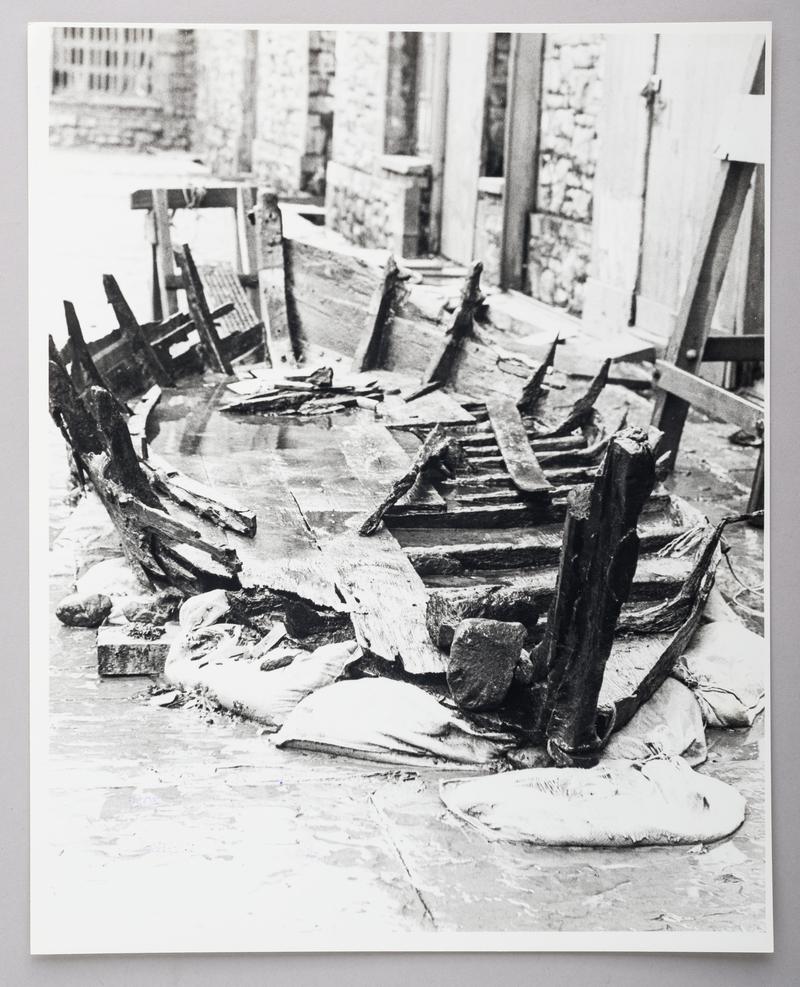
599	552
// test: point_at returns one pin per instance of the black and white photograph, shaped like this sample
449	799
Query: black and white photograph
399	423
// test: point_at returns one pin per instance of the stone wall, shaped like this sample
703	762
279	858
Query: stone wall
321	96
361	58
380	210
560	235
162	120
219	132
281	108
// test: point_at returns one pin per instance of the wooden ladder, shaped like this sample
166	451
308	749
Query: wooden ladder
677	381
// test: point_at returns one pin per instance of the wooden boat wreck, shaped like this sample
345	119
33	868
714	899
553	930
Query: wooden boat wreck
366	454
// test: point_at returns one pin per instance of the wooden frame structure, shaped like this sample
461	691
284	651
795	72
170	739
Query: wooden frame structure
166	281
677	382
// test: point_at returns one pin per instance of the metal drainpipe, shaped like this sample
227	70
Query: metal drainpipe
650	94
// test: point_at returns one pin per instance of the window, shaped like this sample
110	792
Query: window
109	61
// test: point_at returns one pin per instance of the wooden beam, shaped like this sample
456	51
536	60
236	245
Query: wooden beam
515	448
600	549
702	394
164	264
142	350
367	353
272	281
198	308
736	349
521	153
441	363
213	198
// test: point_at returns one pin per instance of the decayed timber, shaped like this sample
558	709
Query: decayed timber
581	410
84	371
272	281
367	353
140	345
534	389
159	548
600	550
441	363
526	596
140	413
437	451
201	315
198	498
512	439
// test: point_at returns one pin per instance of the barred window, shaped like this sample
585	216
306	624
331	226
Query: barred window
110	61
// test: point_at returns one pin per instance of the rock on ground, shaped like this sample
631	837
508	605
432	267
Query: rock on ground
84	609
482	660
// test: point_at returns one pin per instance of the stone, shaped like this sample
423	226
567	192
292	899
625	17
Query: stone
84	609
204	609
120	652
483	657
158	609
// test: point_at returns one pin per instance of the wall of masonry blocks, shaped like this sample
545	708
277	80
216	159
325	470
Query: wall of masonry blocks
296	73
162	121
221	79
560	229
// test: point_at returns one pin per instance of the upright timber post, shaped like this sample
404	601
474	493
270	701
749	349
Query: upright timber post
521	153
272	281
599	552
440	365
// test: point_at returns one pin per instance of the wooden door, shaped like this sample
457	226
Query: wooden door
469	52
699	73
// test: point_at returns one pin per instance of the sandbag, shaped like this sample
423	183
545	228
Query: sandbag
670	723
725	666
386	720
204	609
655	802
113	578
218	660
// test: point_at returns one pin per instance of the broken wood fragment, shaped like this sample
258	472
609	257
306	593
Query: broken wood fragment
278	342
581	410
198	498
379	312
600	549
441	363
199	310
515	448
140	345
533	390
439	450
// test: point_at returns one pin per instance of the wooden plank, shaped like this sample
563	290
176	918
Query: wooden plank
440	365
222	287
368	347
142	350
734	348
512	439
707	397
271	281
523	547
213	198
201	316
521	153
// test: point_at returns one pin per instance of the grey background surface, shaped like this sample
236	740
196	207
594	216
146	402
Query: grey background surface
16	966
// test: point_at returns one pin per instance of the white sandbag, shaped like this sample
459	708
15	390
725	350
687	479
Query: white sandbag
670	723
203	609
385	720
222	665
112	577
725	665
659	801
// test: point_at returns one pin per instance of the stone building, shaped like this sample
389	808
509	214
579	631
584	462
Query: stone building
122	87
576	166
